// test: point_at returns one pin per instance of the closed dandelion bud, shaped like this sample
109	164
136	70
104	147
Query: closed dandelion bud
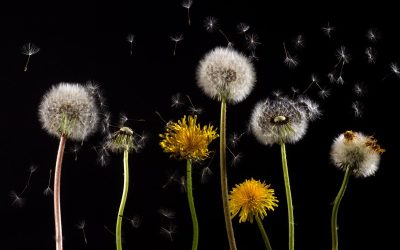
226	73
122	140
69	109
280	120
356	151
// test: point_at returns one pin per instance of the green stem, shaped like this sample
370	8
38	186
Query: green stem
224	178
195	241
263	233
288	196
56	197
118	229
334	227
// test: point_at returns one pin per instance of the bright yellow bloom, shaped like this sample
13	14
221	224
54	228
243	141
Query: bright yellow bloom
251	198
187	140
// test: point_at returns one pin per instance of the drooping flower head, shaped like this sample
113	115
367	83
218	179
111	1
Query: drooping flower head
251	198
358	152
282	119
69	109
122	140
226	73
186	139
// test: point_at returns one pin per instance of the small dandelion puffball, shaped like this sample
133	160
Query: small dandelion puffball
69	109
122	140
280	120
358	152
226	73
251	198
186	139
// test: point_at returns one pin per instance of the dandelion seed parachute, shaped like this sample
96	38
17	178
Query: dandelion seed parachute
226	73
69	109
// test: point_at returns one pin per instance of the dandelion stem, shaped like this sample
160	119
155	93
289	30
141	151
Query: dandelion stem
118	229
57	185
191	204
288	196
27	62
176	43
188	14
335	209
263	233
224	178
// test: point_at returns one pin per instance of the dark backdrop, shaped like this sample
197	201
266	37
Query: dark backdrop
88	42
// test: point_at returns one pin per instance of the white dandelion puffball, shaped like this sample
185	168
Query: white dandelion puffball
226	73
279	120
356	151
69	109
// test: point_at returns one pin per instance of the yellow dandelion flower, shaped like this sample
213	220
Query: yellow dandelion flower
186	139
251	198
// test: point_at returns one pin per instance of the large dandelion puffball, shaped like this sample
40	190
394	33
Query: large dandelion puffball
280	120
226	73
68	109
356	151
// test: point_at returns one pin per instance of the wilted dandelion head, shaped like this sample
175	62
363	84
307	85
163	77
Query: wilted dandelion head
279	120
186	139
69	109
251	198
122	140
358	152
226	73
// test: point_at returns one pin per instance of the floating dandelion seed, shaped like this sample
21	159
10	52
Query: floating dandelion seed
234	139
167	213
168	231
343	58
172	177
314	81
277	93
253	56
359	89
176	101
183	184
372	35
324	93
299	41
130	38
48	191
236	158
395	69
136	221
211	24
81	226
29	49
331	77
17	199
187	4
243	28
205	174
289	60
295	91
252	41
357	109
371	55
75	149
328	29
176	39
192	109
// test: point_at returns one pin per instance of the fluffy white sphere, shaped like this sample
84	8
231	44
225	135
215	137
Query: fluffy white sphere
69	109
226	73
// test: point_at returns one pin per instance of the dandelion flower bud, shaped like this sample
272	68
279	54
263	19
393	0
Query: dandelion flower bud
358	152
226	73
280	120
69	109
122	140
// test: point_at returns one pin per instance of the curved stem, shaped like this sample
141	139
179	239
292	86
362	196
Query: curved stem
263	233
288	196
224	178
335	209
56	197
195	241
118	229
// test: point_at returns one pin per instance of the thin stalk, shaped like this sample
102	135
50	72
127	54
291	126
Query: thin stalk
27	62
224	177
263	233
56	197
188	15
288	196
335	209
118	229
189	185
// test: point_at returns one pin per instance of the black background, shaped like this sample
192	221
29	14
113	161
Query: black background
88	42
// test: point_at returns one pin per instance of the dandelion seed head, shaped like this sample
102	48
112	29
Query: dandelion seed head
130	38
342	55
122	140
177	38
278	120
324	93
16	200
29	49
226	73
356	151
187	4
69	109
250	199
328	29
